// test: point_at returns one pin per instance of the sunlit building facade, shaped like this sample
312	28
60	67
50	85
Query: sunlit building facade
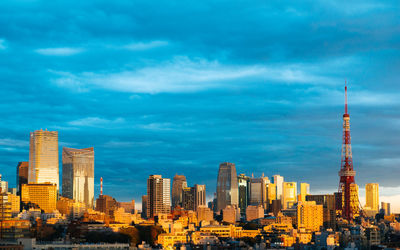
43	157
278	181
22	174
304	191
178	183
78	175
158	196
43	195
227	186
289	195
372	196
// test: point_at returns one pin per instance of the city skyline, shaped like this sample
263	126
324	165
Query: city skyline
184	100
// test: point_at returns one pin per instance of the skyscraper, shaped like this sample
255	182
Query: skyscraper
258	191
43	157
22	175
144	207
200	192
385	208
278	181
289	196
158	196
304	191
271	192
78	175
193	197
227	186
309	215
178	183
243	186
43	195
372	196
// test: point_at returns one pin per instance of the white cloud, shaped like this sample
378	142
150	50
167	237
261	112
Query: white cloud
96	122
3	44
13	142
185	75
145	46
65	51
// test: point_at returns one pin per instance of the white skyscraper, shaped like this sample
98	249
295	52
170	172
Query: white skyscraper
43	157
278	181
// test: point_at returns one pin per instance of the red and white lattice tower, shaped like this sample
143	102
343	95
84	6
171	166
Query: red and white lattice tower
101	185
348	191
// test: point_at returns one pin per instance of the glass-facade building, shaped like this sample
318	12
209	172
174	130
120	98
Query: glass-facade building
227	186
78	175
243	186
178	184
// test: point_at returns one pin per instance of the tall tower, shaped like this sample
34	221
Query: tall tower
158	196
43	157
348	190
227	186
178	183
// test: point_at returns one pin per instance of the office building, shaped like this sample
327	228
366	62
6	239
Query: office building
271	192
158	196
22	174
204	214
304	191
178	183
3	186
227	186
385	208
200	198
289	195
258	191
15	201
188	198
243	187
106	204
43	195
144	207
78	175
372	196
254	212
328	203
309	215
129	207
5	207
43	157
278	181
231	214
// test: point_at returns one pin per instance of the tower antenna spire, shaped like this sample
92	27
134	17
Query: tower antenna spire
345	96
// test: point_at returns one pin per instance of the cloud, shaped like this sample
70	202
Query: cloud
59	51
13	142
185	75
139	46
3	44
96	122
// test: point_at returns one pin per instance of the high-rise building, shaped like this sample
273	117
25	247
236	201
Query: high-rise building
289	195
258	191
304	191
372	196
227	186
106	204
5	207
329	207
231	214
158	195
15	201
204	213
243	187
200	199
309	215
43	157
144	206
188	198
271	192
178	183
129	207
278	181
22	174
78	175
3	186
385	208
43	195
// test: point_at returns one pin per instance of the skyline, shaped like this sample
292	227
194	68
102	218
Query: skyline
166	92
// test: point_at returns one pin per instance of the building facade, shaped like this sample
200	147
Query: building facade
278	181
372	196
158	196
178	183
78	175
289	196
43	195
43	157
22	174
227	186
243	190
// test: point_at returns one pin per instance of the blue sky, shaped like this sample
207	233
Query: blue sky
166	87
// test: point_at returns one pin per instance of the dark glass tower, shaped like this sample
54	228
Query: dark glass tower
227	186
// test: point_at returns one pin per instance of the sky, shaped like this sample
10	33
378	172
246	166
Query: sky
177	87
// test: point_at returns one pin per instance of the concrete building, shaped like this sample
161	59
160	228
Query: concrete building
244	190
22	174
43	195
188	198
304	191
178	183
278	181
254	212
15	201
78	175
309	215
289	196
329	208
385	207
3	186
43	158
204	214
271	193
372	196
200	192
227	186
258	191
106	204
231	214
158	195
